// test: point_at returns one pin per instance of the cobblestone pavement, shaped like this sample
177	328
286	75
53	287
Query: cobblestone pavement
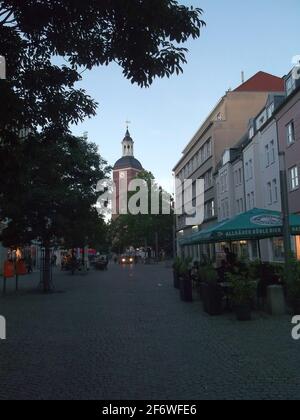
124	334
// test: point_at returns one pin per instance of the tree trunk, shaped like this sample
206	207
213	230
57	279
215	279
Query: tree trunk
47	269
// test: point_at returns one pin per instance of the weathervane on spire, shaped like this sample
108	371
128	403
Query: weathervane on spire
127	124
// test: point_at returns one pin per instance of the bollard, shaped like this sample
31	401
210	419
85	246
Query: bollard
276	301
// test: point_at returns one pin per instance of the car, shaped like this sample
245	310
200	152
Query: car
126	260
101	263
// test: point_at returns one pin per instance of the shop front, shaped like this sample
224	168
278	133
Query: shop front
248	234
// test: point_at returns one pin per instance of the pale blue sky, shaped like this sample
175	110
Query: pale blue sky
251	36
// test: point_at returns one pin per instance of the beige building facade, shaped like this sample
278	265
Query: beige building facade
227	123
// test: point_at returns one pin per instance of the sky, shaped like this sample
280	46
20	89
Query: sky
240	36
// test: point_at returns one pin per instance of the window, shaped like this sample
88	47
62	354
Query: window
224	186
250	169
272	154
248	201
267	151
278	249
290	85
247	171
240	176
225	209
208	179
253	200
199	158
294	178
209	148
269	193
209	209
290	133
251	133
270	110
275	190
242	205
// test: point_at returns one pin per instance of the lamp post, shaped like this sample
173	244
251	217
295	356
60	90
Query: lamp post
285	210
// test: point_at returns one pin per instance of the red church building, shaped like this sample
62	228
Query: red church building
126	167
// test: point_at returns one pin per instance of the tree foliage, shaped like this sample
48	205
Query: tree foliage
143	230
52	194
142	36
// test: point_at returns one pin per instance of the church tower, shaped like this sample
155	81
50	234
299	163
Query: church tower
128	145
128	166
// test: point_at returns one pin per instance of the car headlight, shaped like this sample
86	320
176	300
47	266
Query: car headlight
124	260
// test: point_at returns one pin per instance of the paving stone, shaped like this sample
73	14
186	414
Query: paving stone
124	334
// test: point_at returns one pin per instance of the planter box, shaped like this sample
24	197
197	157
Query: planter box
276	301
186	289
212	299
243	312
296	307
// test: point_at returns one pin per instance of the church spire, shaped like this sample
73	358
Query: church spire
127	144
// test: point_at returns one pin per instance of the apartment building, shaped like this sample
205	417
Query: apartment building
288	127
226	123
229	177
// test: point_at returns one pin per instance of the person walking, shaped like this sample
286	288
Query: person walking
29	264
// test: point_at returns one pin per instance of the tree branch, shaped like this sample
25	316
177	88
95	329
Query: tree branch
6	19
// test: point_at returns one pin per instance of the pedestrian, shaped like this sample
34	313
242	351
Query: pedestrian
54	260
29	264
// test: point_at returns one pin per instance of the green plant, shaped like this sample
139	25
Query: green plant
292	278
185	266
208	274
176	265
243	288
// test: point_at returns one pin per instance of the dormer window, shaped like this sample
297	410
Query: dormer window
290	85
270	110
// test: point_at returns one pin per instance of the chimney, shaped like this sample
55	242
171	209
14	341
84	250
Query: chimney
243	76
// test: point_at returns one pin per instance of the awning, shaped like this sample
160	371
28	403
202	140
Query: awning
252	225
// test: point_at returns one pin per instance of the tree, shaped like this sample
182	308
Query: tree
143	37
149	230
55	198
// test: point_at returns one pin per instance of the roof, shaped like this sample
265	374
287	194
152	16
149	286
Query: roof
262	82
128	136
128	162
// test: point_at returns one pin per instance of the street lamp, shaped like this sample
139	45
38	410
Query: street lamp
285	210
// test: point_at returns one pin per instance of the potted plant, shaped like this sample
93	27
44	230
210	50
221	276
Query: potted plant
185	281
293	285
211	291
243	294
176	271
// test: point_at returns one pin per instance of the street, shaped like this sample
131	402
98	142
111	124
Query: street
124	334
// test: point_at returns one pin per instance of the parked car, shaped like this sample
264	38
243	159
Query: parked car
101	263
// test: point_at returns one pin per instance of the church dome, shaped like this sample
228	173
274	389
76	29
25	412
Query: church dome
128	162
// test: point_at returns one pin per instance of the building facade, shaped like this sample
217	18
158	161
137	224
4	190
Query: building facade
288	127
227	122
